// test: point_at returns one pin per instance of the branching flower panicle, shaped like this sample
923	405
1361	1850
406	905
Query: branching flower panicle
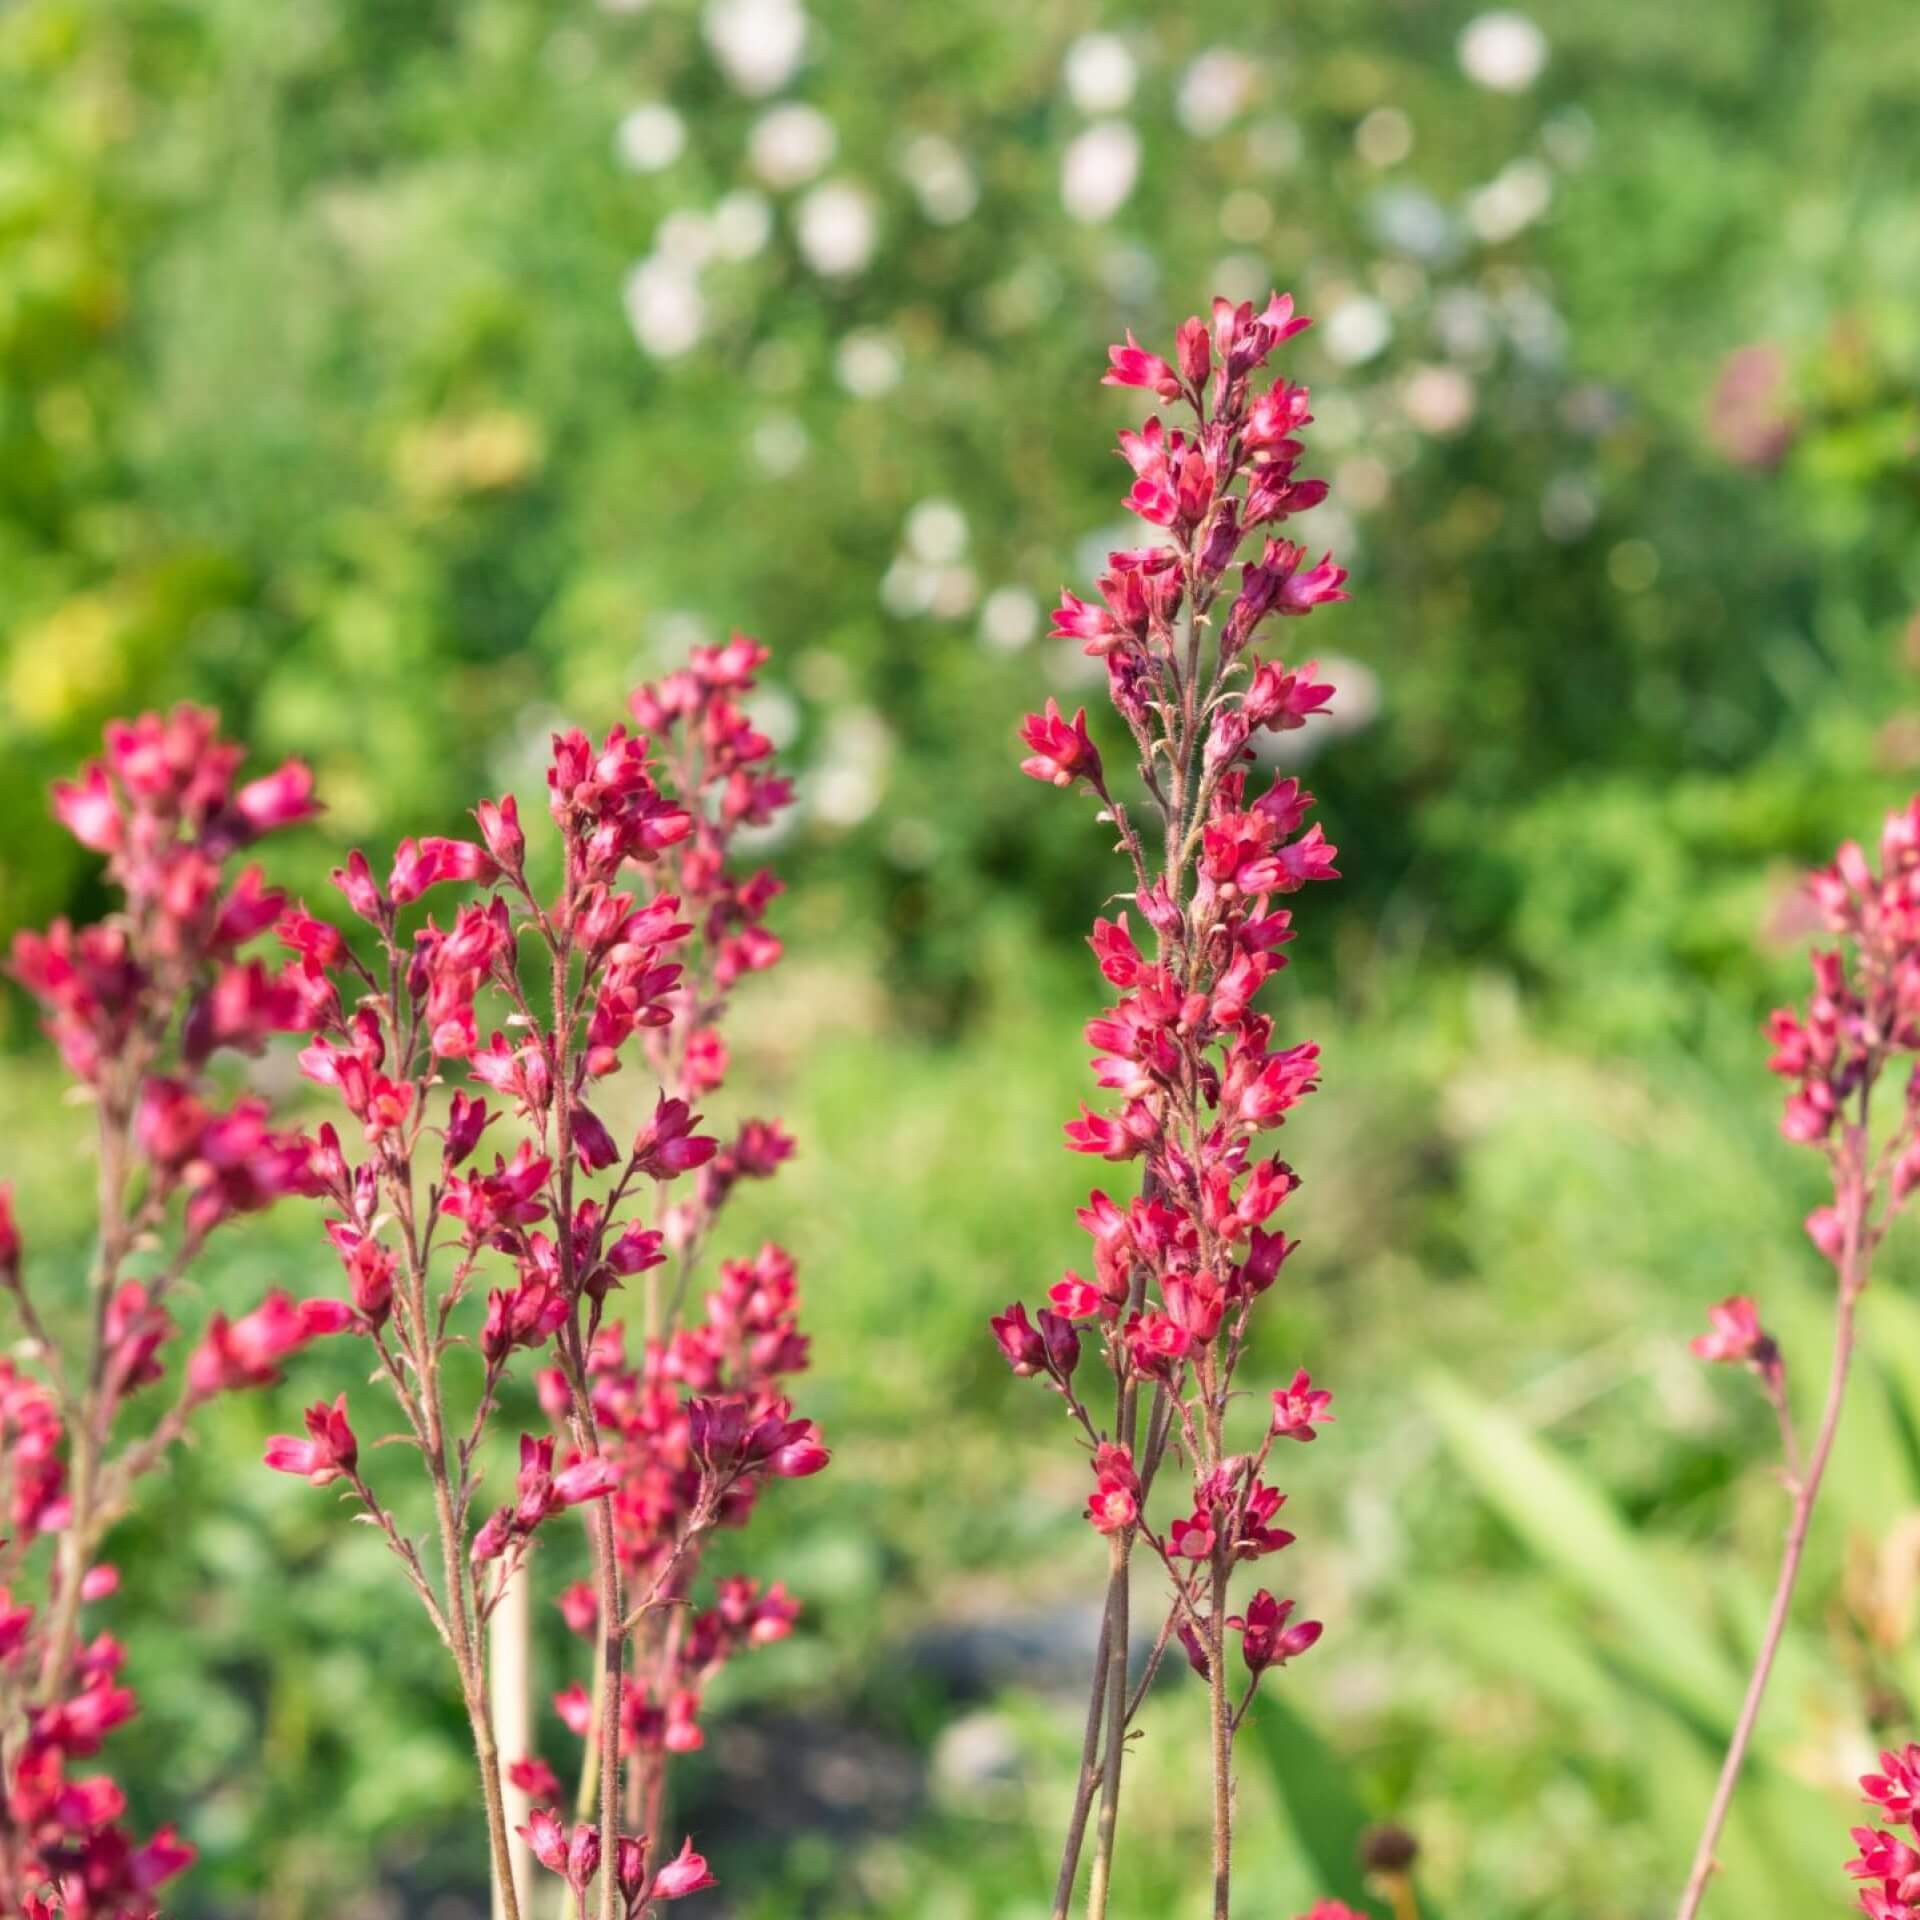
696	1424
1862	1021
1195	1079
140	1004
557	1217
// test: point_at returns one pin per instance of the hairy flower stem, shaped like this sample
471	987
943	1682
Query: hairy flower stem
1806	1491
1107	1830
613	1654
1220	1712
1089	1770
468	1653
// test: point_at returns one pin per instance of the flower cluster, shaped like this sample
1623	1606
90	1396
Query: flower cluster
1887	1865
575	1854
698	1420
140	1004
1197	1080
553	1214
1862	1019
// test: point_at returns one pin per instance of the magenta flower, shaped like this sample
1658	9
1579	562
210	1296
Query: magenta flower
329	1453
1299	1408
1063	751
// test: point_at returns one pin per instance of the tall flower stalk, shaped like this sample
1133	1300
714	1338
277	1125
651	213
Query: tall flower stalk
141	1005
570	980
1178	1269
706	1392
1863	1018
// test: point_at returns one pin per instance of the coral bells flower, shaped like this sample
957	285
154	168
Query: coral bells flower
1735	1336
1063	751
329	1452
1299	1408
1192	1071
1265	1638
138	1005
650	928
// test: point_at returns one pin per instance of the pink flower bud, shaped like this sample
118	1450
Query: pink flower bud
500	829
583	1856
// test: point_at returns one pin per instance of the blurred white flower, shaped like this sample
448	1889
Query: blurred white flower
1099	169
940	177
869	363
757	42
1502	51
936	532
1413	222
686	237
1534	325
1009	620
1213	91
1464	325
1437	399
651	137
847	782
1510	202
742	224
664	307
907	587
1100	73
791	144
836	230
1356	330
779	444
955	589
1384	138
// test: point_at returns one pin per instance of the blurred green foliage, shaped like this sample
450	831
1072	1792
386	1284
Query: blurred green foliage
321	400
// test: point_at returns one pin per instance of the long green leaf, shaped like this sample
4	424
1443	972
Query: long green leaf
1322	1805
1573	1527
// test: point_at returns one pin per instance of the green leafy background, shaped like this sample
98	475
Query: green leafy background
319	401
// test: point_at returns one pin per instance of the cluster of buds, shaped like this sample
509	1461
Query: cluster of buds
575	1853
1190	1061
1862	1019
697	1421
141	1005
